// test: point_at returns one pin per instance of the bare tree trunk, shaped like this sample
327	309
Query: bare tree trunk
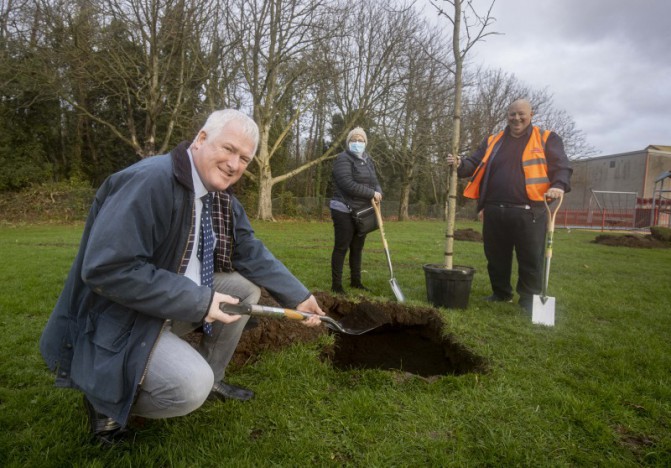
452	193
265	179
405	202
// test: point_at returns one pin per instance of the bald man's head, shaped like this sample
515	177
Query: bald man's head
519	117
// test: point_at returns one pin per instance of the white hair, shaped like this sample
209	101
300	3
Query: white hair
217	120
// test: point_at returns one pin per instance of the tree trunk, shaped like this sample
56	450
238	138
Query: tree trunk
405	201
265	181
265	195
452	194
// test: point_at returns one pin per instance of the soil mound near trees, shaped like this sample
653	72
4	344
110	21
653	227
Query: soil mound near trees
631	240
467	235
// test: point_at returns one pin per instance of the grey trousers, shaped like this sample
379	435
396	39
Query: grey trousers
179	378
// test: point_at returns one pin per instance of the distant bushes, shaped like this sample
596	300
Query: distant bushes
49	202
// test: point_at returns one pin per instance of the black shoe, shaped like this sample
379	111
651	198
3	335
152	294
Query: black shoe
337	290
495	298
251	324
526	303
360	286
104	429
222	391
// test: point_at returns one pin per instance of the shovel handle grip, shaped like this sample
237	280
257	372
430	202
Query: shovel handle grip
552	214
264	311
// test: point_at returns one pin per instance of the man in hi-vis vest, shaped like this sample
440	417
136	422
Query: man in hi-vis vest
510	173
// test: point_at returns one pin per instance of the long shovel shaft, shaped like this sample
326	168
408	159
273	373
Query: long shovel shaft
547	260
549	238
380	225
392	281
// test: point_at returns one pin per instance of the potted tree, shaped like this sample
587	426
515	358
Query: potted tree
449	285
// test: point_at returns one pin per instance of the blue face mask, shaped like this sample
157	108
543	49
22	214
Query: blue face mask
357	147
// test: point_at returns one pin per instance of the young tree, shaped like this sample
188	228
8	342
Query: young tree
475	27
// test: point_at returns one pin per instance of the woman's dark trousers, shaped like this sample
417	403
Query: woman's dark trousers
346	239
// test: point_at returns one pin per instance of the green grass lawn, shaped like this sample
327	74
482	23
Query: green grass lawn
595	390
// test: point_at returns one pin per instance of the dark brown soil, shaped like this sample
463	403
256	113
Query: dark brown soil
408	339
467	235
631	240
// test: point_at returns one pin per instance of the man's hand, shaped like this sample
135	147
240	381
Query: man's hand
555	192
453	160
377	197
311	305
215	313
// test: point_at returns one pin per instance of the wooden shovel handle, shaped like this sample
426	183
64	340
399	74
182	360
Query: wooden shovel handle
378	215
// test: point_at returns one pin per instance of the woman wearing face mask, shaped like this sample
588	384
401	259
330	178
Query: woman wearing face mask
355	184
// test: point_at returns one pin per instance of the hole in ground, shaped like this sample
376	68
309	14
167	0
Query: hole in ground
409	339
410	349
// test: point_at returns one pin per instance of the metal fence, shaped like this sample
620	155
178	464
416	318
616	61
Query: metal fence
640	216
317	208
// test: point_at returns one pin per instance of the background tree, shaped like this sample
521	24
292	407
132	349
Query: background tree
90	86
277	41
411	113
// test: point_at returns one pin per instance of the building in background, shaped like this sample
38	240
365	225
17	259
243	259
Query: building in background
618	190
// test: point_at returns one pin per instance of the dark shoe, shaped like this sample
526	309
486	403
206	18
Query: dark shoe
360	286
337	290
526	303
104	430
251	324
495	298
222	391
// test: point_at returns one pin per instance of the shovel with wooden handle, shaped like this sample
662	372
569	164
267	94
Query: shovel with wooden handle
543	306
394	284
365	325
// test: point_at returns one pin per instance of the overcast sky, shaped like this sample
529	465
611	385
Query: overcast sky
607	63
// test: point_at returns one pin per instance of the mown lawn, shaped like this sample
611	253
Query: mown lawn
595	390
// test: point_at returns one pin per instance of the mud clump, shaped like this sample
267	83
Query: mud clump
404	338
468	234
631	240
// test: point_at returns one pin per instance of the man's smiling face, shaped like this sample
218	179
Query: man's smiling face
222	158
519	117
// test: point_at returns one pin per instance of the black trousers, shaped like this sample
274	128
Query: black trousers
346	239
505	229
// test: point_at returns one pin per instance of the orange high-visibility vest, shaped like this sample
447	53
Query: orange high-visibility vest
534	164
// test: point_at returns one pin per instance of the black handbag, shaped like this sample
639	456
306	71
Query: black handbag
365	220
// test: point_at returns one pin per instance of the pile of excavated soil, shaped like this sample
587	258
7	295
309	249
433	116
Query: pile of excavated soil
631	240
467	235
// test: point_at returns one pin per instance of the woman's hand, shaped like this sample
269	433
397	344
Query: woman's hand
377	197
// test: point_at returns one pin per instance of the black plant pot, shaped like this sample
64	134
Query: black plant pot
448	288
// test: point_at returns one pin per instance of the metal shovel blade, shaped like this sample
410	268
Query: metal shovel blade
337	326
543	310
397	290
